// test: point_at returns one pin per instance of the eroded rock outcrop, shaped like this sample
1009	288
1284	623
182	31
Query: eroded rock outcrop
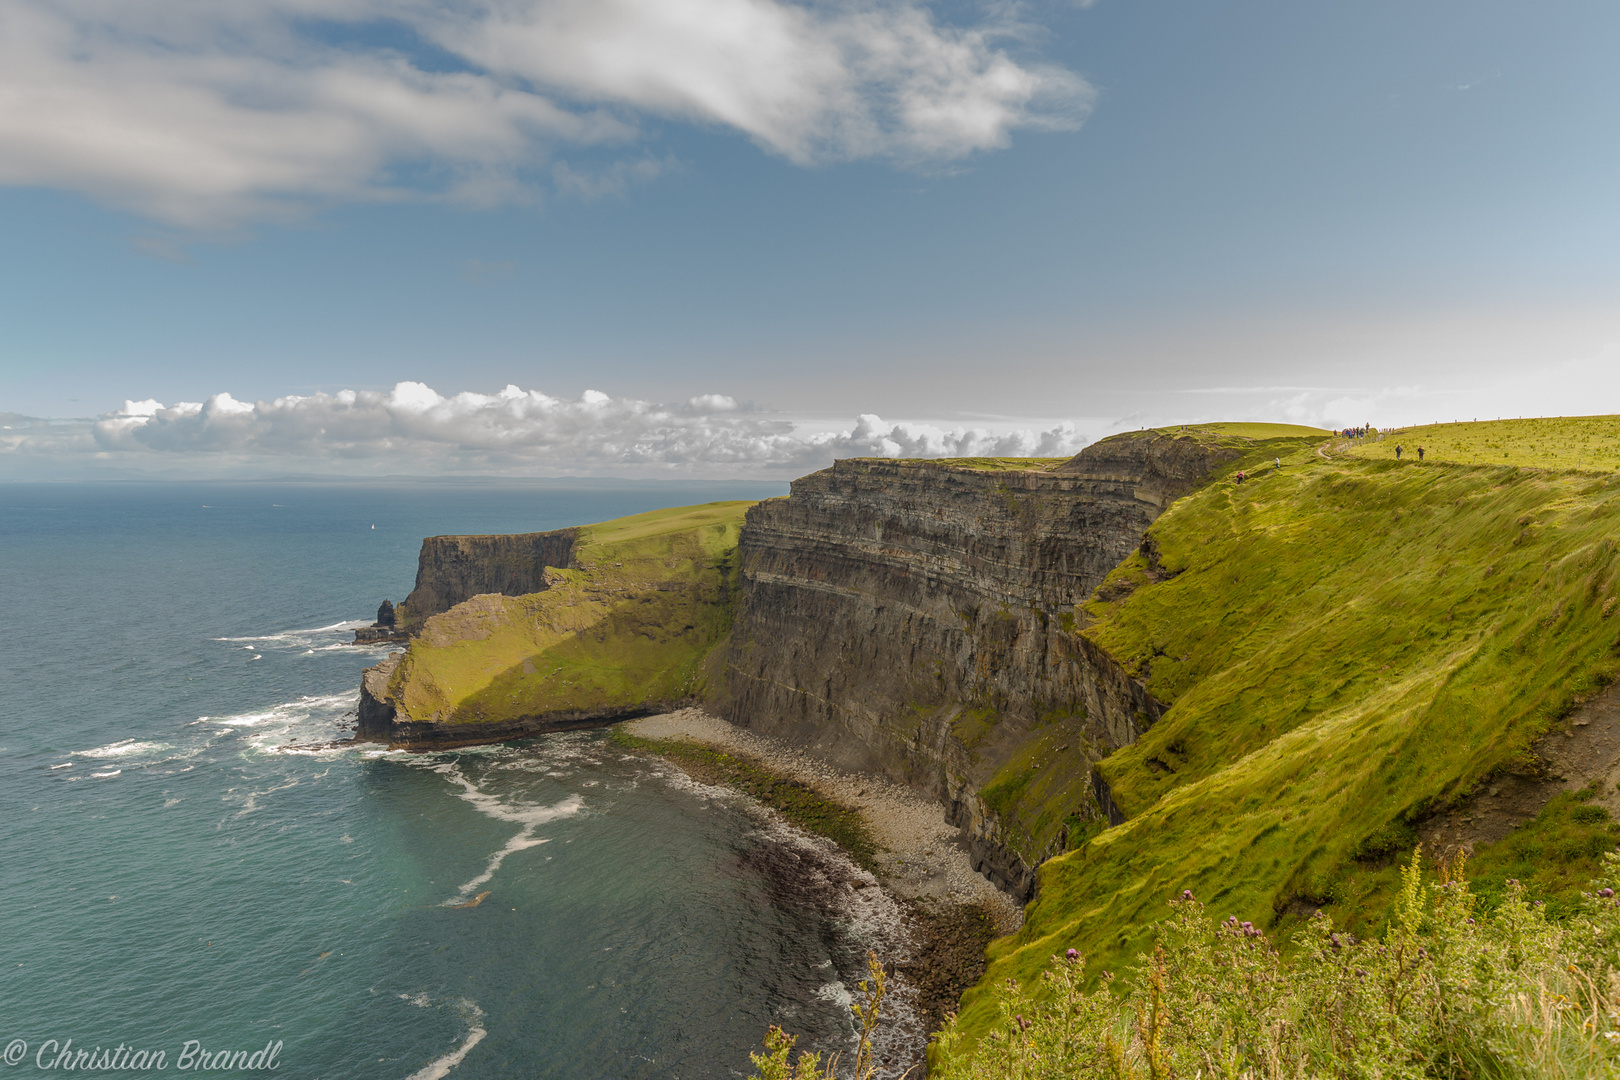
451	569
918	618
628	629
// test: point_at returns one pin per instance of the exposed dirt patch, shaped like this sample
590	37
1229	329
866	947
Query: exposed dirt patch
1584	751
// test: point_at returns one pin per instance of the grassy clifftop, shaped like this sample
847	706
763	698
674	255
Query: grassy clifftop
649	597
1347	643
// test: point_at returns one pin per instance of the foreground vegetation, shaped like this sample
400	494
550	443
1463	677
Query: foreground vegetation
1451	990
646	603
1447	991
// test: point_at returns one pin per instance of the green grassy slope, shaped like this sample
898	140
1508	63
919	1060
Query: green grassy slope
1346	643
651	597
1589	443
1042	795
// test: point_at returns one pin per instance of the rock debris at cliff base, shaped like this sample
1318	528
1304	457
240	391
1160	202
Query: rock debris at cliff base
921	858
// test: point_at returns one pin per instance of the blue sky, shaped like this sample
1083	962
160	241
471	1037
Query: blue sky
754	227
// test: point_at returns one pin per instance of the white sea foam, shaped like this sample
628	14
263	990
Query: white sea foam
521	842
250	802
529	815
123	748
437	1070
870	917
304	708
296	635
106	775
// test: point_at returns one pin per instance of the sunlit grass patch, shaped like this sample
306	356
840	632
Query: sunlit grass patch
1584	443
648	598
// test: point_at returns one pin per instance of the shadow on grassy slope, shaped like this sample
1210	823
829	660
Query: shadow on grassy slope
1346	644
649	597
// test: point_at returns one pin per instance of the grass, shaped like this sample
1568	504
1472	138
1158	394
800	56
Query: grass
801	804
1346	644
1581	443
978	464
1249	431
1452	990
1554	856
648	600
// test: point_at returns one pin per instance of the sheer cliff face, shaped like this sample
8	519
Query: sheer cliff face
451	569
918	618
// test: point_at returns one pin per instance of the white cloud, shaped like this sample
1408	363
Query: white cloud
415	429
205	115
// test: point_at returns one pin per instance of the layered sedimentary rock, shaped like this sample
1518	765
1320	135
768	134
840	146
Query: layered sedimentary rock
919	618
451	569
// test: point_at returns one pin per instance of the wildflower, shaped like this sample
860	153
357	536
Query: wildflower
1072	955
1605	893
1023	1025
1186	894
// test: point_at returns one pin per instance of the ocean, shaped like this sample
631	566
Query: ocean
183	874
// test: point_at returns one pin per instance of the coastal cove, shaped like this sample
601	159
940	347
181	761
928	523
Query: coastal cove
616	793
177	874
1114	674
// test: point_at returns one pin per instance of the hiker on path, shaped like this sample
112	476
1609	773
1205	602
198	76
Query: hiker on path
1397	451
1420	453
1279	463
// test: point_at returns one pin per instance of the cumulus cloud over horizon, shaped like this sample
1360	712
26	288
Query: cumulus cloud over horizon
207	115
414	428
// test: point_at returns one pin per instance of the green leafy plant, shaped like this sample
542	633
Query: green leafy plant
1448	991
773	1064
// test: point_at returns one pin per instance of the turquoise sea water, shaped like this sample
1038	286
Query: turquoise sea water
172	871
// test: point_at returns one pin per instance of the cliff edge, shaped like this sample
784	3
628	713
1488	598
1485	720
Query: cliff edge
624	630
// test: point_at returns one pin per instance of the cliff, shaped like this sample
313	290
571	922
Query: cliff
624	631
451	569
918	617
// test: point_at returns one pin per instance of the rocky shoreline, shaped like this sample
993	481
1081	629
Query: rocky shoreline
920	860
921	857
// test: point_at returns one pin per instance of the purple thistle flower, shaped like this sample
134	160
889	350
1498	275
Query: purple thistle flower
1605	893
1186	894
1072	955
